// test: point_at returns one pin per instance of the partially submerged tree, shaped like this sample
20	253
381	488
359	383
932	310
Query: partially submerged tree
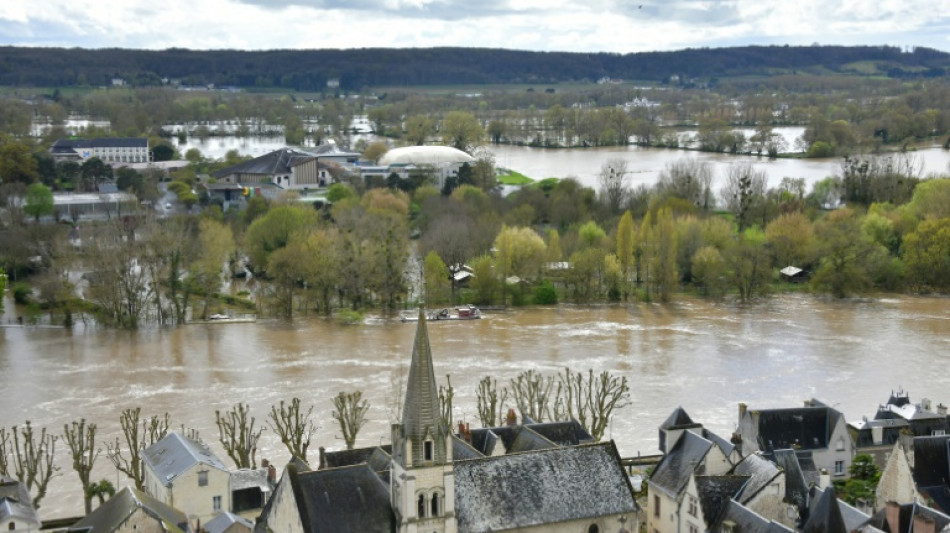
350	413
138	434
294	426
81	439
238	435
29	459
613	181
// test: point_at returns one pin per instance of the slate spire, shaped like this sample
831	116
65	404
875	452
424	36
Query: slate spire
421	415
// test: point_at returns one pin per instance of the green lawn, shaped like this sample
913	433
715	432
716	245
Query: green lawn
510	177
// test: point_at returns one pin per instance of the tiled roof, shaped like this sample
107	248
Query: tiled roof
673	471
715	492
530	489
111	515
175	454
341	500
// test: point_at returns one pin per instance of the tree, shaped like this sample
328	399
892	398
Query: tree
17	164
375	151
418	129
749	266
93	171
709	271
39	201
927	255
81	439
436	276
138	434
532	394
744	192
350	414
274	230
216	244
102	490
591	400
844	253
689	179
446	395
613	183
293	426
519	252
238	435
664	275
461	130
791	239
491	402
32	458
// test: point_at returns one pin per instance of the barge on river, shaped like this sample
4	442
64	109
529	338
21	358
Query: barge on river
468	312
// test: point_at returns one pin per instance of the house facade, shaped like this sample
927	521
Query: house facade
185	474
108	149
16	507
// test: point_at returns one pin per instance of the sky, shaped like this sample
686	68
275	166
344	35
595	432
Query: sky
620	26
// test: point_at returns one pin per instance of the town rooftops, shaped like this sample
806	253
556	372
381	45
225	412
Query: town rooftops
796	487
341	500
932	469
742	519
276	162
544	487
16	503
715	492
672	473
175	454
224	521
760	473
807	428
114	513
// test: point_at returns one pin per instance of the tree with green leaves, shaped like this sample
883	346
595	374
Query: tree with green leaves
238	435
39	201
927	255
461	130
845	253
744	192
17	163
418	129
81	439
625	237
350	413
664	275
216	244
101	490
436	276
294	426
749	266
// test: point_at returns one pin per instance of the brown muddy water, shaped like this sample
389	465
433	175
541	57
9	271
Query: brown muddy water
704	356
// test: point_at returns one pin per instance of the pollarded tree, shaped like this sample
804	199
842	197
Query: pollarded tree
31	456
491	402
81	439
591	399
138	434
238	435
532	394
294	426
350	414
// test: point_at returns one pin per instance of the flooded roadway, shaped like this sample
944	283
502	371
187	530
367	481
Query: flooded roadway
703	356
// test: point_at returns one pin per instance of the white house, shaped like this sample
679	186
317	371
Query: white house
185	474
16	507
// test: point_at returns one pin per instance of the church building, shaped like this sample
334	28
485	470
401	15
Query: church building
533	477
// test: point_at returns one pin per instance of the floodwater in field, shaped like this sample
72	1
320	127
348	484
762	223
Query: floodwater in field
706	357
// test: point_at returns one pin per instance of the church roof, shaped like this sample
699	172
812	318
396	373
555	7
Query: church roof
342	500
544	487
421	416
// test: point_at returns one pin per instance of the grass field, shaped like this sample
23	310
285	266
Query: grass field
510	177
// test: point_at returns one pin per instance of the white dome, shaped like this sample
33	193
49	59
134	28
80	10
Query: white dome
425	155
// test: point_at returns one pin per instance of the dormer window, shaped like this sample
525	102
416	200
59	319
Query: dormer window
427	450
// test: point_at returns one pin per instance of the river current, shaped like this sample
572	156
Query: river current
704	356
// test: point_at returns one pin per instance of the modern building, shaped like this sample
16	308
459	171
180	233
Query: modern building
443	161
108	149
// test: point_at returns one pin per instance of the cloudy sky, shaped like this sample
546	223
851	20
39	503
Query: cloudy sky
550	25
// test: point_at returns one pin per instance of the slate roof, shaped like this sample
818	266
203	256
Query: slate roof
825	515
484	440
175	454
852	517
550	486
715	492
569	433
677	418
807	428
931	463
747	521
462	450
16	502
116	511
352	457
673	471
342	500
759	471
796	487
726	446
277	162
223	521
527	440
246	478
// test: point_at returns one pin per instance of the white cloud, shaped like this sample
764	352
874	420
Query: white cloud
596	25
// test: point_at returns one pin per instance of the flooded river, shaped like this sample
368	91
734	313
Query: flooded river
703	356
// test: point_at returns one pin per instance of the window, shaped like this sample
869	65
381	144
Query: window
422	506
692	506
203	478
593	529
435	505
427	450
938	432
12	526
840	445
839	468
693	529
217	503
656	506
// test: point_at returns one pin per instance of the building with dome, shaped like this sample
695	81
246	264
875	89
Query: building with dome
444	161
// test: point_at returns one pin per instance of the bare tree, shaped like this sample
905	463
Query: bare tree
81	439
689	179
605	392
532	394
32	458
491	403
139	434
446	394
238	435
350	413
613	182
293	426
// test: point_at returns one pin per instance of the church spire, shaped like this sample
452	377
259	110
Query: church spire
421	415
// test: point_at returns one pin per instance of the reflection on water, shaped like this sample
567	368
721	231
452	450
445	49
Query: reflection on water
702	356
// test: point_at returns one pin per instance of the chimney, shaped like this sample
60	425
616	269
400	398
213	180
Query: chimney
323	458
271	475
941	409
265	463
461	431
824	479
924	524
742	409
892	513
511	418
468	433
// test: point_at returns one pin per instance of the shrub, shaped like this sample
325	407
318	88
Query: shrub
545	294
22	293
